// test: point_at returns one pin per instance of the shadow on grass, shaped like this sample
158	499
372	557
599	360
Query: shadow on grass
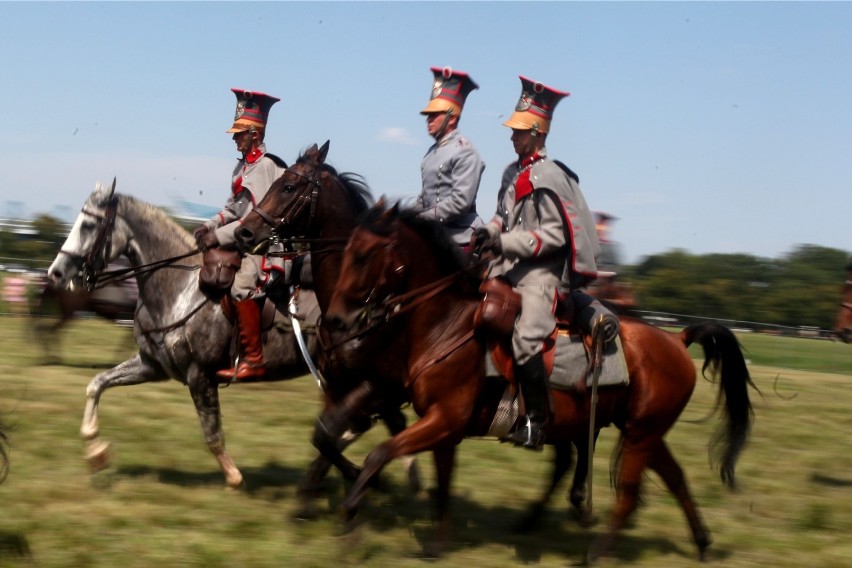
830	481
474	526
271	475
14	545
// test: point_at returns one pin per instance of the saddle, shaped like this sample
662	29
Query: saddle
576	316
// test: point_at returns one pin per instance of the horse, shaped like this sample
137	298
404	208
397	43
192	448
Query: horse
54	307
313	204
180	332
392	258
843	323
4	454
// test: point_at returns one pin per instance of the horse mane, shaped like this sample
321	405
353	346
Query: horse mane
354	185
152	215
448	254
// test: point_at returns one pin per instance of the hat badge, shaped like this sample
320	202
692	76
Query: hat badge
241	109
437	87
523	103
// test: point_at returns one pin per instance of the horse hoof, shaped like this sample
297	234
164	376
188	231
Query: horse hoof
587	521
98	456
305	514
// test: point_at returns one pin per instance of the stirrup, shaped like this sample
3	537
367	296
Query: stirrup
527	436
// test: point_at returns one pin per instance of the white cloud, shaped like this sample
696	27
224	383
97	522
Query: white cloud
396	135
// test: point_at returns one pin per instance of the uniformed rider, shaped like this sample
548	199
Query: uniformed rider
253	174
544	237
452	168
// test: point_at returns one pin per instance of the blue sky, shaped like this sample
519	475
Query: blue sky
710	127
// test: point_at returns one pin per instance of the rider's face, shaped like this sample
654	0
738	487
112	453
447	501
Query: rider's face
526	142
244	141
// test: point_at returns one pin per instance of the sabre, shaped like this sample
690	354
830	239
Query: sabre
303	347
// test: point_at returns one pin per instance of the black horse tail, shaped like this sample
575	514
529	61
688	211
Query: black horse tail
723	355
4	455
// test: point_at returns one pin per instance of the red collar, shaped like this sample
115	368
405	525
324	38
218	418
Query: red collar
254	155
527	162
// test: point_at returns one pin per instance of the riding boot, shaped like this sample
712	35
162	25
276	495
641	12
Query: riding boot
251	361
532	379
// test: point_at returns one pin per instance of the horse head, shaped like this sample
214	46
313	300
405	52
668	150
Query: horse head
290	204
843	325
394	263
92	244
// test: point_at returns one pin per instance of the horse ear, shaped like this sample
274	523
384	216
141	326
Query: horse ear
323	152
311	152
112	189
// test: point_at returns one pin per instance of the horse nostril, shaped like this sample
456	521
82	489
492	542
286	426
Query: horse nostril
244	235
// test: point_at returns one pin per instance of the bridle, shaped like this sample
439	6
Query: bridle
88	264
102	249
383	303
304	199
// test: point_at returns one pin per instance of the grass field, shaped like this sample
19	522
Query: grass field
163	502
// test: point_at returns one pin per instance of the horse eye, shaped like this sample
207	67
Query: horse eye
289	188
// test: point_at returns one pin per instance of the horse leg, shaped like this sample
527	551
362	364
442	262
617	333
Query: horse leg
330	429
439	426
577	496
131	372
562	460
444	458
205	396
669	470
635	455
395	421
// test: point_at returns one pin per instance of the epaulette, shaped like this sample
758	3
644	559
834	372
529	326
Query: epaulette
568	171
278	161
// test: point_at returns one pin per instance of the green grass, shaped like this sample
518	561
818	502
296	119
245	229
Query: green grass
163	502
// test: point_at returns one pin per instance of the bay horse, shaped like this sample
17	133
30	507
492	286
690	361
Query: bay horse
313	204
54	307
393	257
181	334
843	323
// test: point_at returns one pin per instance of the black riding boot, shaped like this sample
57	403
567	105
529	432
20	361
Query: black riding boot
532	379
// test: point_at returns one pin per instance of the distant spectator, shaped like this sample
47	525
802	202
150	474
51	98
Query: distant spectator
15	290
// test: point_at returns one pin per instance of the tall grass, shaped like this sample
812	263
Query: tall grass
163	502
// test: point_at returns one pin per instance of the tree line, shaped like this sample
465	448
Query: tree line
800	289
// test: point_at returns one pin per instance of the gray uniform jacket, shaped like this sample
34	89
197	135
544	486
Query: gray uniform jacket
451	171
549	246
250	181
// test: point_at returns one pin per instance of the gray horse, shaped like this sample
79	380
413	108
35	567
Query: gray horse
181	334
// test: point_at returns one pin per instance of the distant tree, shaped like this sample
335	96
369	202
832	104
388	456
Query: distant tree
801	288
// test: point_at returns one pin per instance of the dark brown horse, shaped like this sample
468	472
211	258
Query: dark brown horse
843	325
392	258
316	205
54	307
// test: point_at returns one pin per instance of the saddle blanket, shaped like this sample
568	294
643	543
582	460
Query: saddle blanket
571	364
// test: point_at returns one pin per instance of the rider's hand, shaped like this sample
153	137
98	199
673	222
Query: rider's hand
482	240
199	233
208	241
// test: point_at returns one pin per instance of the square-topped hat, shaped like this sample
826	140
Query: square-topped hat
252	110
450	88
534	110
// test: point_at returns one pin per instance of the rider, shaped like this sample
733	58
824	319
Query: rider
544	234
452	168
253	175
